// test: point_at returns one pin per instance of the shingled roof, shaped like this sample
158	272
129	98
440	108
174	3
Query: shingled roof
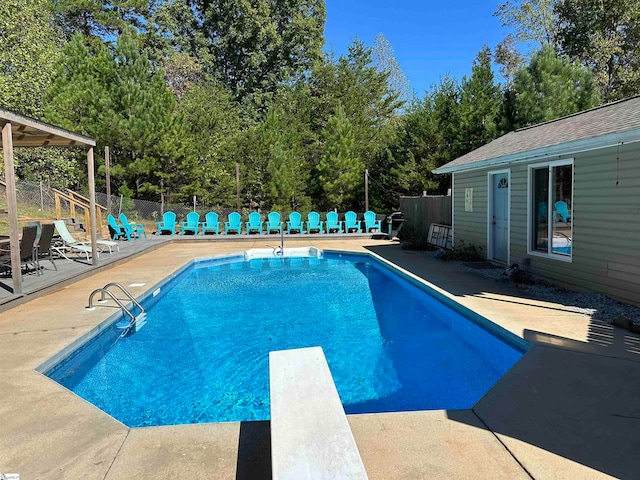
551	137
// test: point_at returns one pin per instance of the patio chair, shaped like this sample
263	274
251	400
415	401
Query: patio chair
233	223
102	243
70	244
254	224
294	223
351	222
332	222
117	231
168	223
563	211
314	222
43	247
28	255
134	229
542	212
274	223
192	223
211	223
370	222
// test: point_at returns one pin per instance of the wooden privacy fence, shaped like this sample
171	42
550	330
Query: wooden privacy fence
420	212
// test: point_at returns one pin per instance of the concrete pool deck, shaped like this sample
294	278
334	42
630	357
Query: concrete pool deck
568	409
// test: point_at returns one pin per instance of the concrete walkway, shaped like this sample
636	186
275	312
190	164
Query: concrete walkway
568	409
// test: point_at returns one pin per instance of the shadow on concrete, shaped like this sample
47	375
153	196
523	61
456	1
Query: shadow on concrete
254	451
579	405
565	398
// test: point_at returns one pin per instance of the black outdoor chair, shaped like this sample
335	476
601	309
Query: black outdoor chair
43	249
28	251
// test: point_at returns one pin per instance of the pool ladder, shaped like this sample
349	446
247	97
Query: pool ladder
135	321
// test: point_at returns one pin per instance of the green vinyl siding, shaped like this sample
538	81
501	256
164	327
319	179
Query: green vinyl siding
470	227
606	221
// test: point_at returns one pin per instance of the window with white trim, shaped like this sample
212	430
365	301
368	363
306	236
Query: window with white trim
551	208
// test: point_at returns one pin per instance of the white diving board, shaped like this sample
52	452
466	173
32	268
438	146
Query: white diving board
310	435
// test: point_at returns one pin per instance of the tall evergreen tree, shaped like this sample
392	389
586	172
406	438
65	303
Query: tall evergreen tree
100	18
214	121
551	87
340	170
480	102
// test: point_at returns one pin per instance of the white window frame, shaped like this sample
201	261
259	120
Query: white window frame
549	166
490	176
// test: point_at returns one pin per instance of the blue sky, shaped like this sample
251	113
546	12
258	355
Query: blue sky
429	38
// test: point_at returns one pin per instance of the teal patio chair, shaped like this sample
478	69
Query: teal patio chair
542	212
351	222
562	210
313	222
134	229
211	223
254	224
117	231
274	223
294	223
332	223
192	223
233	223
168	223
370	222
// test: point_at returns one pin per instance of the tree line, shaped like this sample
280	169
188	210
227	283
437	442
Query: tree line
183	90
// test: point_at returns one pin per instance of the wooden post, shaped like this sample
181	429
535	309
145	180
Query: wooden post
12	208
58	206
238	185
107	166
366	190
92	206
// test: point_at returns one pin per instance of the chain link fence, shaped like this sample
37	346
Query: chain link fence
37	201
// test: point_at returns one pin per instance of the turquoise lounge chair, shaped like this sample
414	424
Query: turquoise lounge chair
211	223
370	222
233	223
332	222
294	223
254	224
168	223
274	223
351	222
314	222
563	211
134	229
117	231
192	223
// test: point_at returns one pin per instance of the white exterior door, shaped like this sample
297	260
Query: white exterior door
499	217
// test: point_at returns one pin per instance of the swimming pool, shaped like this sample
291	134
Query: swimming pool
203	354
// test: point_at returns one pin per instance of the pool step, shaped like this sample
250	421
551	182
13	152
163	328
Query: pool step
141	321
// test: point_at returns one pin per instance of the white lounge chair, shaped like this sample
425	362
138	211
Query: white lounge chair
71	244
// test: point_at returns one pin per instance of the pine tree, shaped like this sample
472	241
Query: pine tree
479	103
551	87
340	170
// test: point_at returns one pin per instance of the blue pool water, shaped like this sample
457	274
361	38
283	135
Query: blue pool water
203	354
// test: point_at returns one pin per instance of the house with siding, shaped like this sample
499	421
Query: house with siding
560	199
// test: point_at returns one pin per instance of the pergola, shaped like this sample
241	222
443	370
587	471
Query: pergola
21	131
